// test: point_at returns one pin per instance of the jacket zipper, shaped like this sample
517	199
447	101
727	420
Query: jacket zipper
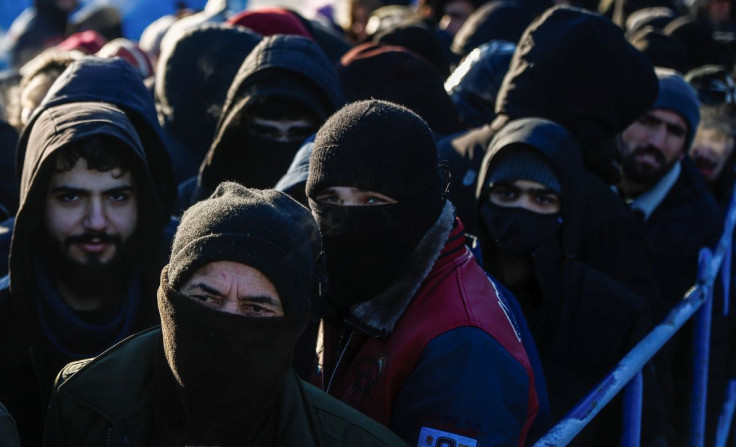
339	360
108	441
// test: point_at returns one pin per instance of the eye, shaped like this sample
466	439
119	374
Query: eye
207	300
504	193
547	199
67	197
648	120
119	196
373	200
329	198
256	310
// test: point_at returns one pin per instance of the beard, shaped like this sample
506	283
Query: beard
91	277
642	173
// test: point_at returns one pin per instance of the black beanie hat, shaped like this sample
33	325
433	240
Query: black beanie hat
400	160
495	20
524	163
264	229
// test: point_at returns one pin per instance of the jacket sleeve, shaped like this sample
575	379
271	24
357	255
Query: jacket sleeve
8	431
465	385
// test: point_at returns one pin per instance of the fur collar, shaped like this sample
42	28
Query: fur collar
382	312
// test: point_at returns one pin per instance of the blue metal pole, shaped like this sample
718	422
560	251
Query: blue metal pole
633	395
701	351
724	422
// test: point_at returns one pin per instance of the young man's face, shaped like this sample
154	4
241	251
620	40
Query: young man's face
234	288
652	145
91	213
710	151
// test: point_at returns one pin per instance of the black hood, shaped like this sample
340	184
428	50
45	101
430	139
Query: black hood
54	129
576	68
496	20
268	71
113	81
560	149
192	80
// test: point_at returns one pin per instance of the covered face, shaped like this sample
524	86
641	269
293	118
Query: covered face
372	153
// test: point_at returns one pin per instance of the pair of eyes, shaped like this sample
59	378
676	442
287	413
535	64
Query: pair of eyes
509	194
293	134
73	197
247	308
360	199
672	129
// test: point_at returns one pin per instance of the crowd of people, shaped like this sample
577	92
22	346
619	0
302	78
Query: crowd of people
440	224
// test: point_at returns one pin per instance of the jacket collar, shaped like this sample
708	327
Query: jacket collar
378	316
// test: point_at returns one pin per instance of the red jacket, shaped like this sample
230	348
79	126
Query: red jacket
453	362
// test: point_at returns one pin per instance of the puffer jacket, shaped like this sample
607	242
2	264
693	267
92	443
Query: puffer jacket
444	360
123	415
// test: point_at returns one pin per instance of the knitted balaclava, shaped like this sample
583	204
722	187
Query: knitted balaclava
382	147
229	369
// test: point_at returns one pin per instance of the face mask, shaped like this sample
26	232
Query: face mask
517	231
366	247
229	369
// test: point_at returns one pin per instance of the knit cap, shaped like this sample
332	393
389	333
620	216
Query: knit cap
400	160
675	94
524	163
264	229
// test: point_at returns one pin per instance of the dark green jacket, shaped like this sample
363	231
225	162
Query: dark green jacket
109	401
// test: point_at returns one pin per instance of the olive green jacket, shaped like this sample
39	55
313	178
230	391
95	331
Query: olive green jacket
109	401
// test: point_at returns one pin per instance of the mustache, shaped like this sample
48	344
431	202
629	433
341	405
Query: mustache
91	237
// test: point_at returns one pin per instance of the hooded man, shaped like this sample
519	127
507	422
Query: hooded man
283	92
583	322
551	76
416	335
664	188
233	301
84	252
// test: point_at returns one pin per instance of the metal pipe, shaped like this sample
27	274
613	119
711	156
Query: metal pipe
724	422
633	396
701	352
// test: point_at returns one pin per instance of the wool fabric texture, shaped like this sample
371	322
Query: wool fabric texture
676	95
524	163
264	229
376	146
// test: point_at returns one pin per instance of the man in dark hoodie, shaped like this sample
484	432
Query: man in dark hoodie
87	239
583	322
552	76
283	92
41	26
233	301
415	335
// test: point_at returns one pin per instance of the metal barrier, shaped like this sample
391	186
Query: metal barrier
698	299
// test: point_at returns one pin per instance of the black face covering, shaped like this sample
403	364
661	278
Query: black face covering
367	246
517	231
229	369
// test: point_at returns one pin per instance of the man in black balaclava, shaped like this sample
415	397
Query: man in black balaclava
284	90
417	337
233	301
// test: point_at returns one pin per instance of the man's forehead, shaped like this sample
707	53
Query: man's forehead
668	117
82	177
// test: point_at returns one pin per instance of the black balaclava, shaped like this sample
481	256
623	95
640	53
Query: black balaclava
382	147
230	369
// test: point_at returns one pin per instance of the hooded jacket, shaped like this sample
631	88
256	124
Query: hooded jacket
32	349
552	77
192	81
495	20
586	321
306	76
36	29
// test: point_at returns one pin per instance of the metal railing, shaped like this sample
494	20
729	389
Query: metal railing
627	374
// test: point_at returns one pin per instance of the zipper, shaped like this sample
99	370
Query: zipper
339	360
108	440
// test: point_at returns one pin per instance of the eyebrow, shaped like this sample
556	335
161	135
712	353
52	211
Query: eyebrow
262	299
76	190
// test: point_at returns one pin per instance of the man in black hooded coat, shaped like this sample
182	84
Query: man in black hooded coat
285	89
37	28
552	76
583	322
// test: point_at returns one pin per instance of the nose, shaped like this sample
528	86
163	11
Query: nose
657	137
95	216
231	306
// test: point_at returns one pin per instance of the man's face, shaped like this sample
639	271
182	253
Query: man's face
91	213
710	151
234	288
652	145
455	14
